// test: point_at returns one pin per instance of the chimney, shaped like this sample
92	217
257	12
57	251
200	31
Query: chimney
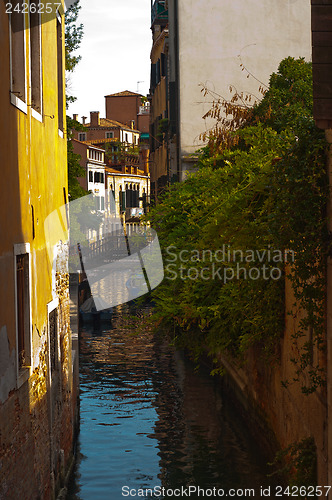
83	119
94	119
75	117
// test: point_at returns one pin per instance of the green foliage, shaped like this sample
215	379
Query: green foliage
298	462
264	190
120	150
73	36
74	166
73	39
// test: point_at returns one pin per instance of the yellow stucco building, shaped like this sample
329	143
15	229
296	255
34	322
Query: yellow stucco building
37	407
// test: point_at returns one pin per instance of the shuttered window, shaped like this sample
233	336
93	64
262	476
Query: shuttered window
23	309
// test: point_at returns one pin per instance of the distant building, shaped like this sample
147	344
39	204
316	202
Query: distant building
160	143
235	43
120	142
119	194
131	109
93	162
128	108
131	193
38	395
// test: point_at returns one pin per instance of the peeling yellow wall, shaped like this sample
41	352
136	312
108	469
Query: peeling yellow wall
34	173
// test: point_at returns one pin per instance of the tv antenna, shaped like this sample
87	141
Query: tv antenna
140	81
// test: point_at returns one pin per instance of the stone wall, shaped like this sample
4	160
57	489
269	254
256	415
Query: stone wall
281	413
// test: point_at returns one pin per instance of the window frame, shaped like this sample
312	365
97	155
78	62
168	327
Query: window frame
19	103
60	72
51	307
34	110
23	373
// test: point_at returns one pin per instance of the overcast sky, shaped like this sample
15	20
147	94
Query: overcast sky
115	53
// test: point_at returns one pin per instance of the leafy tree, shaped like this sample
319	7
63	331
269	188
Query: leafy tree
73	38
75	169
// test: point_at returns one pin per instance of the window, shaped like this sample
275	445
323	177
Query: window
122	200
82	136
18	58
112	200
99	177
60	73
53	339
109	135
126	137
23	320
90	176
136	196
36	62
97	202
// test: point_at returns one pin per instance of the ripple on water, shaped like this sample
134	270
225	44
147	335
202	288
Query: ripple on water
148	419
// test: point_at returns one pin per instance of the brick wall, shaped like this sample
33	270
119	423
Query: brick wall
37	420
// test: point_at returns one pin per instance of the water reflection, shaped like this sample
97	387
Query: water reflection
148	419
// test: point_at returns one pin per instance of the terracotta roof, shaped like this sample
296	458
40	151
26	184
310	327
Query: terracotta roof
140	173
123	94
106	123
101	141
89	144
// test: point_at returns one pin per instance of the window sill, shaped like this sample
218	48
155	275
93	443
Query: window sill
36	115
23	376
18	103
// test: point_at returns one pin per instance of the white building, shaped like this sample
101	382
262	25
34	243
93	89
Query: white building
218	44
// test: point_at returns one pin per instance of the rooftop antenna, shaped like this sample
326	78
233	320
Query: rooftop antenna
140	81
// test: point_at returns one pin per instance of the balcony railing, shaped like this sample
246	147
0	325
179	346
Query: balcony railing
144	110
159	12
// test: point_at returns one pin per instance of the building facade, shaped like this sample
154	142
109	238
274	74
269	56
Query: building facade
37	395
93	162
126	165
120	142
129	108
238	44
160	143
128	195
321	23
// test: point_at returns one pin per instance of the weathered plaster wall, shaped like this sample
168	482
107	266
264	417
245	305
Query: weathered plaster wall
36	411
287	412
216	37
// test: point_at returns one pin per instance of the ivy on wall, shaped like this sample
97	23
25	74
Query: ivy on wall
260	191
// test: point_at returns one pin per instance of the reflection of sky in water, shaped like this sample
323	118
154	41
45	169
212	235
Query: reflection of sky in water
114	281
148	419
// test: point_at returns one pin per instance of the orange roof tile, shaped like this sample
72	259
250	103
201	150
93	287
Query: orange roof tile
123	94
106	123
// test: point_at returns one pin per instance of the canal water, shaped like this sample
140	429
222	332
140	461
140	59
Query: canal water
150	420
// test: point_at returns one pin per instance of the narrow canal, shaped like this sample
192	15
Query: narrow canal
149	420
